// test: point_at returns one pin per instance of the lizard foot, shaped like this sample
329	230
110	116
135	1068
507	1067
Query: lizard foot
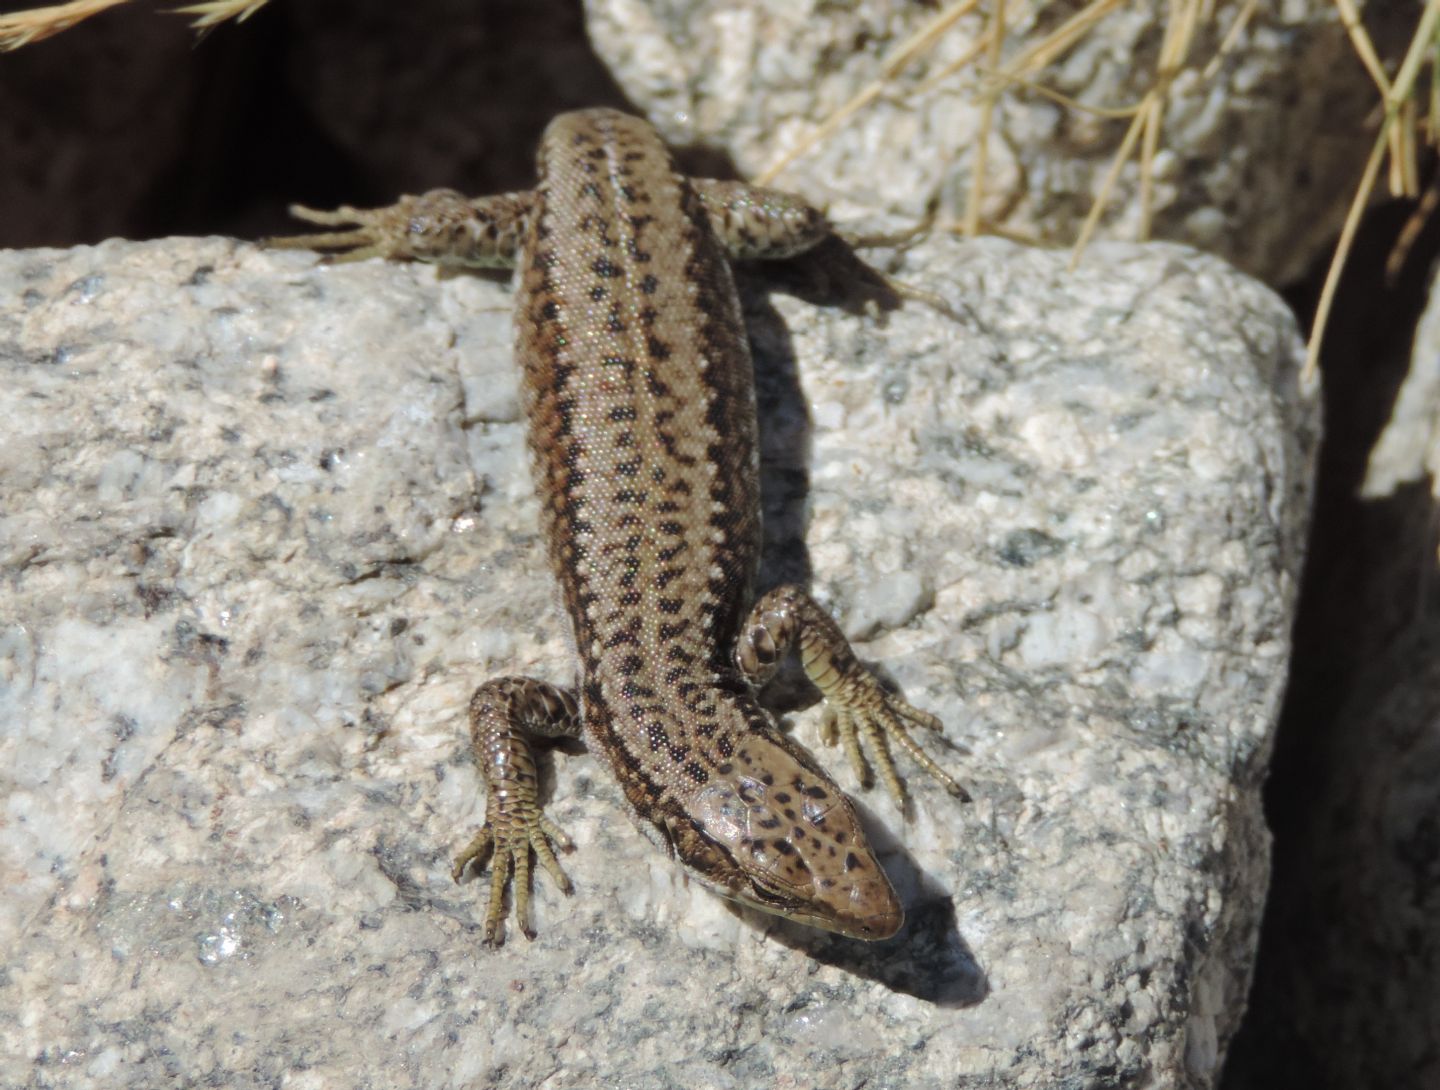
508	842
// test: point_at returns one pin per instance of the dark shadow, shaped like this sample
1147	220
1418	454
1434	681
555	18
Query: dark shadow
928	959
832	276
322	103
1366	581
785	442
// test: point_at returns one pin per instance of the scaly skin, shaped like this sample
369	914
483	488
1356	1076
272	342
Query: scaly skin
641	405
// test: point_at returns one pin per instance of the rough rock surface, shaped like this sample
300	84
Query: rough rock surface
266	523
1257	159
1408	449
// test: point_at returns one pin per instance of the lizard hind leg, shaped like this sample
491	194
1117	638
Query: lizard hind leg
859	711
754	222
504	714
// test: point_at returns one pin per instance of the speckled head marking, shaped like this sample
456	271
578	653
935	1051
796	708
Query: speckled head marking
772	831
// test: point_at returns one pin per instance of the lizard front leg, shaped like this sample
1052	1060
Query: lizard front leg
442	227
857	706
502	713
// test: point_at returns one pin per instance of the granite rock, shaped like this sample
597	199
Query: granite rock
1257	161
1408	448
266	523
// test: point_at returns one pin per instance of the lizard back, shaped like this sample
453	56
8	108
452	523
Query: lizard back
641	401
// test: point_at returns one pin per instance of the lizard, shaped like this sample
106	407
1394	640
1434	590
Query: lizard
639	394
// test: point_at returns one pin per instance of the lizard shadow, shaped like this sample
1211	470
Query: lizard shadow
928	959
785	430
831	274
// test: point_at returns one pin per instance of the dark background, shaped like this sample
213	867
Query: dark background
127	126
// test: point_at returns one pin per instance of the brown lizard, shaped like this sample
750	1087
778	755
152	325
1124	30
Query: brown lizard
640	399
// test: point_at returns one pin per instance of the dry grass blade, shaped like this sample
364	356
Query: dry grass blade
1180	27
1179	37
996	33
1404	153
1114	113
1432	124
1149	146
978	46
214	12
1364	48
1401	90
1231	39
1416	55
991	41
1049	48
1410	234
1404	170
1342	252
23	27
1102	199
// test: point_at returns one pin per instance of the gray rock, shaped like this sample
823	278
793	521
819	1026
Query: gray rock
266	523
1408	449
1240	172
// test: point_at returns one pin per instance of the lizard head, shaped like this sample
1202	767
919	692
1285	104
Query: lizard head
770	829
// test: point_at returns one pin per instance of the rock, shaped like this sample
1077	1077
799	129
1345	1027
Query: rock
267	523
1408	449
1240	171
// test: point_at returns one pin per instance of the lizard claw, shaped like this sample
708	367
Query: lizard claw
371	233
508	843
870	715
441	226
858	709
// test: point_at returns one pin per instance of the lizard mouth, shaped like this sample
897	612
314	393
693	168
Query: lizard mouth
868	910
881	919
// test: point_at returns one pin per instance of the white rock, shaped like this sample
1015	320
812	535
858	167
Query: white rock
254	565
1240	170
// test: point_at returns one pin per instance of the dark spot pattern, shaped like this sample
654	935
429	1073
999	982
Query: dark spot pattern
642	429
